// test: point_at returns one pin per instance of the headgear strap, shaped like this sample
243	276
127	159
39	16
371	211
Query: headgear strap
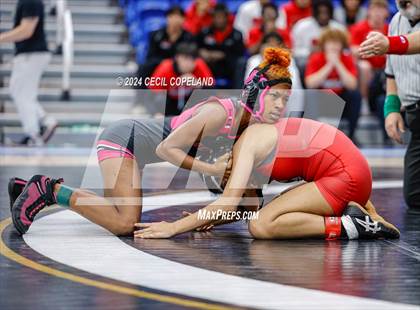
251	93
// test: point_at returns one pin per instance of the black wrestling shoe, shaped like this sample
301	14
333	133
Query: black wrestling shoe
15	188
360	225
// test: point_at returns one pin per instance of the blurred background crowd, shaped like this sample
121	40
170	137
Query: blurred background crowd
226	38
221	39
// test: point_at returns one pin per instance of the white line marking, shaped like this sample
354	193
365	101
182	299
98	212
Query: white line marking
405	248
155	202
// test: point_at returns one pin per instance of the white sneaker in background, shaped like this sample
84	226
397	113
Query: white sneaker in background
48	127
365	108
35	142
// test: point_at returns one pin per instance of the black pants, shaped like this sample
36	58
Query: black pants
351	111
412	162
377	94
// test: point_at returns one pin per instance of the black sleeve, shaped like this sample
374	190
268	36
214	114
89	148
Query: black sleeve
32	9
238	46
190	38
237	49
199	39
153	48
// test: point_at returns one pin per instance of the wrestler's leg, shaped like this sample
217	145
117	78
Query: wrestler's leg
121	206
298	213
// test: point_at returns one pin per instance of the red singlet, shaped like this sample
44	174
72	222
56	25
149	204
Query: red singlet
320	153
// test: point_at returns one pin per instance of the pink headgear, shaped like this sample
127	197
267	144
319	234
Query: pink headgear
252	98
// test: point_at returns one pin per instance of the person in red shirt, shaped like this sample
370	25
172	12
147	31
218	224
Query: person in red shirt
333	68
371	77
269	16
199	15
372	74
292	12
376	21
186	67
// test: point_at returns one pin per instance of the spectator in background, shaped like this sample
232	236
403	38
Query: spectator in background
292	12
184	64
249	15
222	48
350	12
333	68
273	39
306	32
31	59
268	25
372	77
199	15
163	42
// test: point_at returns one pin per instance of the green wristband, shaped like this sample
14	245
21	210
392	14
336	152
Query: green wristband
392	104
63	196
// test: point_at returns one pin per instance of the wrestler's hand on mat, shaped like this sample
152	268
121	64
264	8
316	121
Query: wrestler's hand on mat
394	126
201	228
157	230
375	44
222	165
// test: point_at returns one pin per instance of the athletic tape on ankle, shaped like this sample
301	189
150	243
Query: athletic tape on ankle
392	104
397	45
332	227
64	195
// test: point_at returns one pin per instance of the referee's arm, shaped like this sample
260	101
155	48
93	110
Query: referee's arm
413	43
394	124
391	86
377	43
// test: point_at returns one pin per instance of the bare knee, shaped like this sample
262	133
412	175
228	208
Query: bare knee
123	227
259	229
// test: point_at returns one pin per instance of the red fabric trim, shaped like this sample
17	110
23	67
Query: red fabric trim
398	45
332	227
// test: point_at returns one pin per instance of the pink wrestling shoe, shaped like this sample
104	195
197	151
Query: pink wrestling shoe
36	195
15	188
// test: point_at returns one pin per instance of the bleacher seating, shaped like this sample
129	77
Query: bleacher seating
152	8
141	51
147	25
183	3
233	5
135	33
142	17
130	12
